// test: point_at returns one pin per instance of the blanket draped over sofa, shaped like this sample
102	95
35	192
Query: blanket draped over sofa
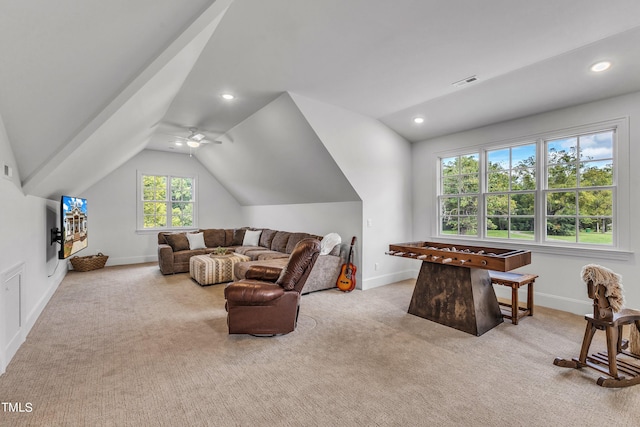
262	245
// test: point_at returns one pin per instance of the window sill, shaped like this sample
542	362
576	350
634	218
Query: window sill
582	251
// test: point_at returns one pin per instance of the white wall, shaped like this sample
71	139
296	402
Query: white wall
25	222
112	207
377	163
559	285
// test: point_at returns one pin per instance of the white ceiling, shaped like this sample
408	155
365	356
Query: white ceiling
120	75
393	60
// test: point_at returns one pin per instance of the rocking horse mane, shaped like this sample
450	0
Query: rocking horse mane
611	281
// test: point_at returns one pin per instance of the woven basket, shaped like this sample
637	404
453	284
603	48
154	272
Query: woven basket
88	263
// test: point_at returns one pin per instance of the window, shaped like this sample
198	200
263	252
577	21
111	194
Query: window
580	190
460	187
550	190
166	202
511	197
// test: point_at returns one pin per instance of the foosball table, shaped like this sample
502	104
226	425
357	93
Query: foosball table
453	287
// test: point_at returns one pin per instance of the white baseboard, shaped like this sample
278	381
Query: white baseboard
570	305
374	282
131	260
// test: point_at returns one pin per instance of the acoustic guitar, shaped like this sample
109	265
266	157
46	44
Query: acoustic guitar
347	278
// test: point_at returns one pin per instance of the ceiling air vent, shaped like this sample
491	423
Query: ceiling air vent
465	82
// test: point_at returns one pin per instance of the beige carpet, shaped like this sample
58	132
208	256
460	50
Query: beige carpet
126	346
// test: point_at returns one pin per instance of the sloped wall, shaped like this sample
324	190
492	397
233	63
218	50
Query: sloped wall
274	158
377	163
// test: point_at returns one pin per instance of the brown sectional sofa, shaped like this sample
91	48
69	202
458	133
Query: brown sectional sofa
273	249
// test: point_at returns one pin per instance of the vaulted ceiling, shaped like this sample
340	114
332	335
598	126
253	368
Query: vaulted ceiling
84	86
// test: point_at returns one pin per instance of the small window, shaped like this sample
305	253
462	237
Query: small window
166	202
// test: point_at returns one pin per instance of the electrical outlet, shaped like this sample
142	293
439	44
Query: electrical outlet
7	171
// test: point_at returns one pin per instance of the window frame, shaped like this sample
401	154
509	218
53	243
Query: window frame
619	249
140	202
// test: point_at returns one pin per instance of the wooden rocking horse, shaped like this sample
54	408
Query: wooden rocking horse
605	289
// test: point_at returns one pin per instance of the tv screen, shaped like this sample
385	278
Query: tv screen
73	225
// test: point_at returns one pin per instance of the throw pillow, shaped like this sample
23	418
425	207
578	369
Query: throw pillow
329	242
196	241
251	238
177	241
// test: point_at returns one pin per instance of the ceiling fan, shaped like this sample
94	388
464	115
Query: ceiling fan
195	139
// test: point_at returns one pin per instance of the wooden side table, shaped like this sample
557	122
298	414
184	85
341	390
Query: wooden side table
513	311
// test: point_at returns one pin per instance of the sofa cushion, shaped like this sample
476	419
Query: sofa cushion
183	257
238	237
214	237
162	239
266	238
177	241
294	239
251	238
196	240
254	254
229	234
279	243
267	254
250	251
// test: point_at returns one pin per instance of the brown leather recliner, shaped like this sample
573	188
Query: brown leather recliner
266	302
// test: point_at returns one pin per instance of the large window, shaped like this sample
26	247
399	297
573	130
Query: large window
556	189
166	202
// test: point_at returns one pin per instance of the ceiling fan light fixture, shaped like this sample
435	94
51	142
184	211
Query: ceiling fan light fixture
193	144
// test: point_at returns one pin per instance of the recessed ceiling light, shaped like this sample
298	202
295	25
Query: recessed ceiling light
601	66
418	120
227	96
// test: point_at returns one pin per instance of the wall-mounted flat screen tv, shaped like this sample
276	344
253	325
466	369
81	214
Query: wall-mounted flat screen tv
73	225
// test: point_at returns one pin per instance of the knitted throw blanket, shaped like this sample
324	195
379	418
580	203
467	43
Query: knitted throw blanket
612	282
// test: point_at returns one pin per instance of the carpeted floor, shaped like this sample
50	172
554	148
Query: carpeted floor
126	346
